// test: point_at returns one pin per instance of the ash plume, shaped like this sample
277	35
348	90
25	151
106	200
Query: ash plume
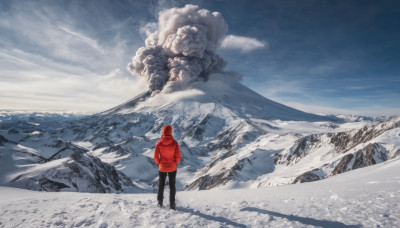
182	49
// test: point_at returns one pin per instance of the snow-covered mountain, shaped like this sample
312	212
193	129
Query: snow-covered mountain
336	153
37	117
67	168
230	137
78	172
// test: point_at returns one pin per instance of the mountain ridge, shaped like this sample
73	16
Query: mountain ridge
230	137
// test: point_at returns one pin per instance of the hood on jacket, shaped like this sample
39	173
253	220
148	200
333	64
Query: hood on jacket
166	137
167	130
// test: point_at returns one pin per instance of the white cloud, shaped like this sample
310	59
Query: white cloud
35	83
84	39
52	61
118	78
242	43
60	37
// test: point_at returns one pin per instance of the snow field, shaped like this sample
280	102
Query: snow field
367	197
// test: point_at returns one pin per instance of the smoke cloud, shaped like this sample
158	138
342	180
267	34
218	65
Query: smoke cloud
182	48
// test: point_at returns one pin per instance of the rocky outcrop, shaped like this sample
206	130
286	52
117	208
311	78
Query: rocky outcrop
197	130
302	148
80	172
337	143
343	165
207	182
3	140
308	177
67	150
371	154
343	141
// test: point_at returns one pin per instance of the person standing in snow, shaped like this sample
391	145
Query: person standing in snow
167	155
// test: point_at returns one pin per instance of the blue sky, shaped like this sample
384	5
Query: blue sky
318	56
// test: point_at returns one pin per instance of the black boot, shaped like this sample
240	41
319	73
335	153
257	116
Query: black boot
159	204
172	206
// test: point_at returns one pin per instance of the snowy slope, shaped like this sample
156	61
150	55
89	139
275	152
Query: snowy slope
319	156
367	197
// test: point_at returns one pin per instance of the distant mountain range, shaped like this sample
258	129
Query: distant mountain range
230	137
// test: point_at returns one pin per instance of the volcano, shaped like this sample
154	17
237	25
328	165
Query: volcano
223	98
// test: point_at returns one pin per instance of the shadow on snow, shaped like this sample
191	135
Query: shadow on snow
210	217
304	220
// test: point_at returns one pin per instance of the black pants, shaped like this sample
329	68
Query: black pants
161	184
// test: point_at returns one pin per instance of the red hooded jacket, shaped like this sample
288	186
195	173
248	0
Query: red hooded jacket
167	154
